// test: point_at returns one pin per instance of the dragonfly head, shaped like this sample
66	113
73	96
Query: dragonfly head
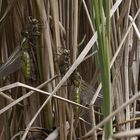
32	31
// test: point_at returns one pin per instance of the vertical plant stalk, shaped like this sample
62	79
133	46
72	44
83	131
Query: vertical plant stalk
126	67
104	44
107	100
75	30
47	42
93	122
57	17
68	23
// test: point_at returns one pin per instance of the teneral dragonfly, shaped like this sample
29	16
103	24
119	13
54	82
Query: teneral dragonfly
83	93
20	57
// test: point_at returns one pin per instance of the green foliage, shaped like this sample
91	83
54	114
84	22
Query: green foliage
103	32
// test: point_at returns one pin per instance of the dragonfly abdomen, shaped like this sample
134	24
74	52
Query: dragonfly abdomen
76	81
26	66
77	98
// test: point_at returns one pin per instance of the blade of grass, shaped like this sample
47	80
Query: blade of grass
104	44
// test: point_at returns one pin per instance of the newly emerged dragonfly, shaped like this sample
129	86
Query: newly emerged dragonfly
83	93
20	58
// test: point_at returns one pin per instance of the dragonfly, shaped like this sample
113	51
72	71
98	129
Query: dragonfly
21	56
82	93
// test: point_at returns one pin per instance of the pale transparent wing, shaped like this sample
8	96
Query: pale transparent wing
12	64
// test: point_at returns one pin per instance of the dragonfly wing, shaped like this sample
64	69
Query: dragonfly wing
10	67
11	58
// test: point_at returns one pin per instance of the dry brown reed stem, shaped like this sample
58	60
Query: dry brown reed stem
135	97
17	84
126	134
